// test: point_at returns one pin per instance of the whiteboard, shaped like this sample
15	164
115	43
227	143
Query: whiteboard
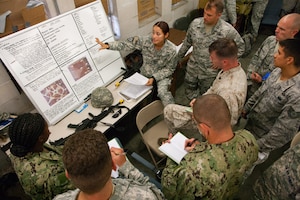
57	62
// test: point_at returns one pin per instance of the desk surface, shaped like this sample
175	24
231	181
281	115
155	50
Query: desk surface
61	130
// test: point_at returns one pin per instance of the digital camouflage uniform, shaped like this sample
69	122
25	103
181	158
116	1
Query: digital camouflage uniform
231	85
281	179
199	74
229	12
159	64
262	62
131	185
42	175
274	111
258	10
210	171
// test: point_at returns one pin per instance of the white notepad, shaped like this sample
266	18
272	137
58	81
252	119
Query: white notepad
175	149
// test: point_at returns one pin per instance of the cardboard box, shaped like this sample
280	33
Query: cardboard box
15	21
79	3
34	15
146	9
175	1
202	4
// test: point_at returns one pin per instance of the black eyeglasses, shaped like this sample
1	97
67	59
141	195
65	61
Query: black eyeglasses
117	114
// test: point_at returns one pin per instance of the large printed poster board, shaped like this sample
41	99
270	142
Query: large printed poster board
58	63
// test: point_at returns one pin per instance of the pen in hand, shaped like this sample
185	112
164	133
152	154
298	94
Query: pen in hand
189	144
122	153
119	154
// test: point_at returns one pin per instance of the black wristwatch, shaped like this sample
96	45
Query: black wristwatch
107	45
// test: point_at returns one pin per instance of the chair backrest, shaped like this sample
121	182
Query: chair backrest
194	14
148	113
182	23
295	140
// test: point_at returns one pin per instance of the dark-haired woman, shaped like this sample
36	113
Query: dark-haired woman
158	57
38	166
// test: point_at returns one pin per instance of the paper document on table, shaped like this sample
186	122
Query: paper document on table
136	86
137	79
175	149
135	91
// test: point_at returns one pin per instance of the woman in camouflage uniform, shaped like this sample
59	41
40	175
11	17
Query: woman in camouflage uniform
158	57
38	166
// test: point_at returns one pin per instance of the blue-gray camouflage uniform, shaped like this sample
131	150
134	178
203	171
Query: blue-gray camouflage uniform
211	171
258	9
131	184
262	62
274	111
282	179
257	14
199	72
42	175
229	12
159	64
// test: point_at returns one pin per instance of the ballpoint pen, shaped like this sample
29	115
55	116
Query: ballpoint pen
189	144
119	154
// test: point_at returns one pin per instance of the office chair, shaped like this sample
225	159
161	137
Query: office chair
152	126
182	23
193	14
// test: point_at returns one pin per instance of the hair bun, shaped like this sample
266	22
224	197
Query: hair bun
19	150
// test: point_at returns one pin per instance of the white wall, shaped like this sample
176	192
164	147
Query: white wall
128	15
10	98
14	102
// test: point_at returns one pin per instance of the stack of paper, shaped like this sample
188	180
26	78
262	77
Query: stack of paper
136	86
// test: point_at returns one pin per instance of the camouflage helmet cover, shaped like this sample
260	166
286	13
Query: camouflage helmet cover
101	97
